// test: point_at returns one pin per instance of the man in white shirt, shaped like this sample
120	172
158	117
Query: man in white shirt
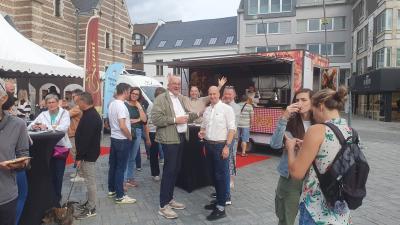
121	142
218	128
170	117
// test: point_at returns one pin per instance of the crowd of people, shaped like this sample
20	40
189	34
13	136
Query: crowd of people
164	128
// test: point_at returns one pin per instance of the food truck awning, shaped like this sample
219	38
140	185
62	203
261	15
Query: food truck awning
223	60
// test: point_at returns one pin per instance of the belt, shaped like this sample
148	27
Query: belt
215	142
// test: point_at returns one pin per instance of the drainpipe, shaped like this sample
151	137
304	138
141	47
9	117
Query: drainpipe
77	37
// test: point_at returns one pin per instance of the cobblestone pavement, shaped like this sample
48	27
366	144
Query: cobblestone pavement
253	196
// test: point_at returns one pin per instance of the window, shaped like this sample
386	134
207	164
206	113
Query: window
176	70
159	68
178	43
229	40
122	45
272	48
360	40
161	44
382	58
284	47
261	49
197	42
317	24
108	40
398	58
398	20
274	28
361	66
331	49
137	58
383	21
268	6
253	7
138	39
57	8
314	25
212	41
251	29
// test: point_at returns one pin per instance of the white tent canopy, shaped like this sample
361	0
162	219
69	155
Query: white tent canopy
18	53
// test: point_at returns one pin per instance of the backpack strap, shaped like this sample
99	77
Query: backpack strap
342	141
337	132
243	107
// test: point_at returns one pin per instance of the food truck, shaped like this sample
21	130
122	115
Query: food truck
276	76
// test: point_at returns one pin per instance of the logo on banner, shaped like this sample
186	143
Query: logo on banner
92	75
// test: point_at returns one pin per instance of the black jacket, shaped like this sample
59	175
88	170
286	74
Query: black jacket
88	135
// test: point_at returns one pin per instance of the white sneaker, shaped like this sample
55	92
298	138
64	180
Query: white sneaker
77	179
176	205
156	178
167	212
72	175
125	200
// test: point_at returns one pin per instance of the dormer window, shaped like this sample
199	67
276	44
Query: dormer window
161	44
212	41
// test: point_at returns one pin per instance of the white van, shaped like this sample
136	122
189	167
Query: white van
148	85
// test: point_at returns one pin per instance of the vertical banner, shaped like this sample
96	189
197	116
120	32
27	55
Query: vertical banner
92	75
110	82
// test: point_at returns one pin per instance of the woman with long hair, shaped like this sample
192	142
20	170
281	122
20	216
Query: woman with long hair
321	146
294	122
137	118
23	105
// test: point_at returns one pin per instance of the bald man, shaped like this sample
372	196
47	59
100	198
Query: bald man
218	129
170	116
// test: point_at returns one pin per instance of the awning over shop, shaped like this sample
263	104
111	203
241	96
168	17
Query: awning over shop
224	60
380	80
19	54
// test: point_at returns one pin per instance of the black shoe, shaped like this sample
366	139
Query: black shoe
210	206
216	214
228	201
213	195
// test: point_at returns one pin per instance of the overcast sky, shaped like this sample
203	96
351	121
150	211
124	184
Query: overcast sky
147	11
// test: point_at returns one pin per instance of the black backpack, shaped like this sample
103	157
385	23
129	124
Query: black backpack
346	177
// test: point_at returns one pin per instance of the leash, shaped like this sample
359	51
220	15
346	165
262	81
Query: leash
72	185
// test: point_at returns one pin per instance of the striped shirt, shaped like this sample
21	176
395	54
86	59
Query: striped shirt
245	114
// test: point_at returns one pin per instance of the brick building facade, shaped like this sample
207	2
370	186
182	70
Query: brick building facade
60	27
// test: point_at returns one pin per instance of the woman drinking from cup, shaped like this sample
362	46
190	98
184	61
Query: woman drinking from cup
294	122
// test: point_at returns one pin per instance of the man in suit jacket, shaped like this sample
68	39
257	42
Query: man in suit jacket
170	117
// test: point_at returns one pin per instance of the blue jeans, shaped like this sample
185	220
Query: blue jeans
22	193
57	166
117	161
305	217
172	166
138	156
220	170
133	152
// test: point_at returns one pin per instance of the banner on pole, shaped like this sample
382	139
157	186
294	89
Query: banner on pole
110	82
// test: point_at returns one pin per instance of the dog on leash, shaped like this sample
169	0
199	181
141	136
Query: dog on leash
60	216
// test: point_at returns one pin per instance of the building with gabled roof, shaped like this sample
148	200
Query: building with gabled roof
177	40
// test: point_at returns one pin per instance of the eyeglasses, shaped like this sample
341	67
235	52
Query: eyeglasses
229	87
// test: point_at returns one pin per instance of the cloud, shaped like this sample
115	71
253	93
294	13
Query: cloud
146	11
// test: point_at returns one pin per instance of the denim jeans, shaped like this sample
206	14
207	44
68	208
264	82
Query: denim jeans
57	166
305	217
117	161
154	149
22	193
220	170
172	166
139	156
133	152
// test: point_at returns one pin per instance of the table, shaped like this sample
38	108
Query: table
195	171
41	195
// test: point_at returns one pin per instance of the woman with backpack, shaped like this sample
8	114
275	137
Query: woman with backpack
294	122
321	146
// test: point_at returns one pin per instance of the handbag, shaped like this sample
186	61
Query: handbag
60	152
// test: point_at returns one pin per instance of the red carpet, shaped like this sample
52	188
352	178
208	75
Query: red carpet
249	159
103	151
240	161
